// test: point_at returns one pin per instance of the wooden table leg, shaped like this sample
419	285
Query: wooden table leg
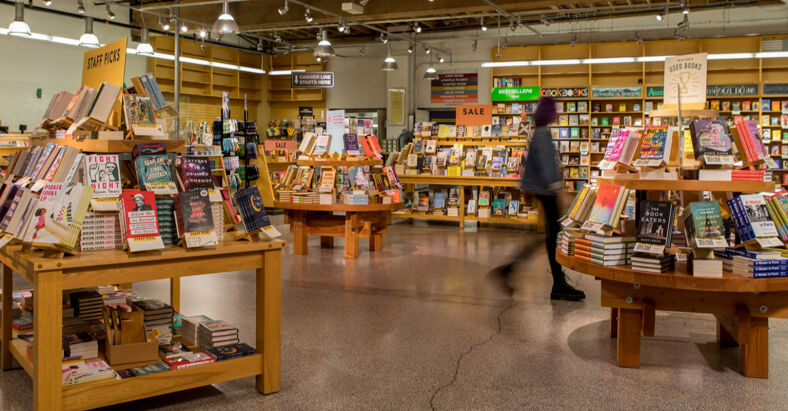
47	345
8	315
724	338
269	321
649	318
630	323
299	233
351	235
754	351
375	242
175	293
326	242
613	322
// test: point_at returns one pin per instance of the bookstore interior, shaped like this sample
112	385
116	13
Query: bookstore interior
162	167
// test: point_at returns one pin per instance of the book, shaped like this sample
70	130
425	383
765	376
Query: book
606	209
655	146
703	225
253	215
196	173
322	143
139	222
753	221
194	218
351	144
655	226
711	142
231	351
155	174
189	360
85	372
102	173
140	116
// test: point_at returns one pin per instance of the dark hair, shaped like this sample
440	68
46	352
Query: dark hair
545	112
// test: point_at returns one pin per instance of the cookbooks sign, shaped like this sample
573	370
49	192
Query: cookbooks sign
455	88
565	92
685	75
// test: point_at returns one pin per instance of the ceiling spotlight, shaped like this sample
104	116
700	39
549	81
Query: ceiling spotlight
417	28
410	49
203	33
260	44
662	15
18	27
319	59
484	26
427	50
80	7
323	48
684	7
347	30
440	59
308	16
384	38
184	28
544	20
341	25
659	17
283	10
88	39
389	64
277	37
165	25
48	3
144	48
225	23
110	14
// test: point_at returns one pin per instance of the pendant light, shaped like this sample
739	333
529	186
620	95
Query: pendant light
225	24
88	39
389	64
431	73
324	48
18	27
144	48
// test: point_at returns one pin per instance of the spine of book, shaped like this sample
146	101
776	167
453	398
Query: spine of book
740	217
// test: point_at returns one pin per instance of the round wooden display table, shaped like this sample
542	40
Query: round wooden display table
360	221
742	307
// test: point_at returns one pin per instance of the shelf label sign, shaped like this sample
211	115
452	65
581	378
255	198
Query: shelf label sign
563	92
611	92
515	94
777	88
455	88
312	79
271	145
655	91
474	114
305	111
685	75
106	64
732	90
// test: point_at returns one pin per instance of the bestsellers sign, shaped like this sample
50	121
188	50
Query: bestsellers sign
515	93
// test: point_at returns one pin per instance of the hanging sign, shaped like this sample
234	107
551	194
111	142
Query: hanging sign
686	75
455	88
610	92
271	145
778	88
305	111
474	114
312	79
106	65
655	91
563	92
732	90
515	94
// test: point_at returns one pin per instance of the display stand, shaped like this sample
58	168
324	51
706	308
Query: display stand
359	221
50	276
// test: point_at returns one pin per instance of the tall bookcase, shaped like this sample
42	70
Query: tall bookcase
285	101
643	81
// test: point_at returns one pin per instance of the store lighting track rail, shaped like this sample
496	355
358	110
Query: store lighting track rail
620	60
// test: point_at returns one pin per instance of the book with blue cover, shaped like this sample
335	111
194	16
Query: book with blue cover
250	204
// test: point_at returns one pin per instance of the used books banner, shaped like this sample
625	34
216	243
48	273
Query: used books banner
685	75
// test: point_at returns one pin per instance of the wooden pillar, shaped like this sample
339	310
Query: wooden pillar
649	318
725	338
299	232
8	315
48	347
629	326
754	354
269	321
175	293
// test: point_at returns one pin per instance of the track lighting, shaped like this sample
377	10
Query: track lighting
389	64
308	16
225	23
277	37
203	33
684	7
341	26
474	45
544	20
417	28
88	39
18	27
184	28
80	7
110	14
427	50
144	48
260	45
384	38
484	26
323	48
410	49
659	17
165	25
283	10
48	3
319	59
440	59
662	15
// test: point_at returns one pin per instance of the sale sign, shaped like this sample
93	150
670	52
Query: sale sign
474	114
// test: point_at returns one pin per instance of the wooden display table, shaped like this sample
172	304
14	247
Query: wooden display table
360	221
742	307
50	276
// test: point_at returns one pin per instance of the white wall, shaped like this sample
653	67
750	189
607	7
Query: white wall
358	83
31	64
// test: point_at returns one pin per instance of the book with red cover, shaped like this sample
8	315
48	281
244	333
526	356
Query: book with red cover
139	221
375	145
190	360
366	146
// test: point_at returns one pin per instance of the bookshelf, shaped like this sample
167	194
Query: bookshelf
755	81
10	144
285	101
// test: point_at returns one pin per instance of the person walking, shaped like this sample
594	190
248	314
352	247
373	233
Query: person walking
542	178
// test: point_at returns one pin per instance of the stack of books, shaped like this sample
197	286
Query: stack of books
306	198
165	206
753	264
566	241
483	212
100	231
83	372
453	211
87	304
231	351
356	199
79	345
651	263
217	334
158	315
604	249
285	196
191	326
189	360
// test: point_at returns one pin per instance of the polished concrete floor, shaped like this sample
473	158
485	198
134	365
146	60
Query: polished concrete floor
415	326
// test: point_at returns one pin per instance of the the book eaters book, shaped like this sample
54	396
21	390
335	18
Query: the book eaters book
253	215
655	226
139	224
194	219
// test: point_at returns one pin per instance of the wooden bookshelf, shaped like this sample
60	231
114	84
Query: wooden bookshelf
114	146
285	101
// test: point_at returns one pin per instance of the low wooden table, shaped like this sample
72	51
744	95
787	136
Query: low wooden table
50	276
360	221
742	307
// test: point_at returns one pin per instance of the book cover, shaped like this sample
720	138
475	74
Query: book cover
653	147
231	351
351	144
499	207
321	145
710	140
194	218
196	173
154	174
138	111
139	220
102	172
757	215
703	224
655	226
605	204
253	214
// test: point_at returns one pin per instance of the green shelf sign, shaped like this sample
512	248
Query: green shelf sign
515	93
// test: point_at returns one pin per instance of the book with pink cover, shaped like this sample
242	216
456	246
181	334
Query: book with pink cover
615	146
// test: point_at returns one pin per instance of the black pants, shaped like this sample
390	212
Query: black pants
550	206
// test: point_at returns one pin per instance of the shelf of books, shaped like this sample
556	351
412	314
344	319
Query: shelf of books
10	144
596	99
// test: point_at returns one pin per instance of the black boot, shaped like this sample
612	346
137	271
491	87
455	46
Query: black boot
564	291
